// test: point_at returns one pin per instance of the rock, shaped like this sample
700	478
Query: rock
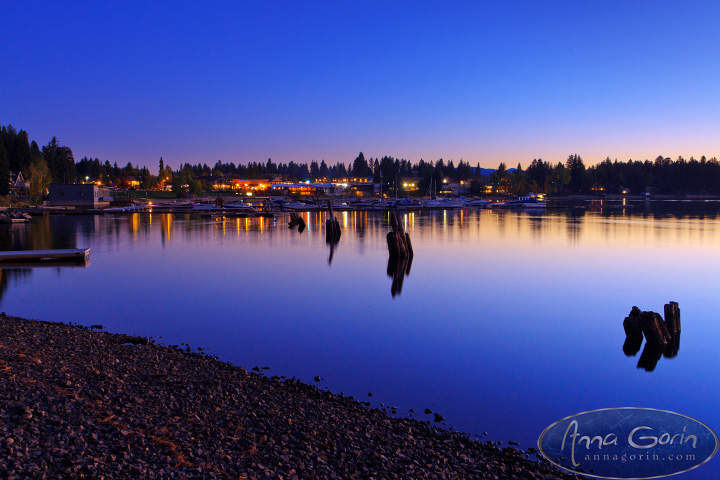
157	412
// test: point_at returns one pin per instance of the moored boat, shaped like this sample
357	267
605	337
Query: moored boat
530	201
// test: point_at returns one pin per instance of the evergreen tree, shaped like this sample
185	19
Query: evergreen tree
22	157
576	167
324	171
4	171
360	166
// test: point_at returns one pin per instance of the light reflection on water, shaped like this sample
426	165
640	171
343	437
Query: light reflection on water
506	322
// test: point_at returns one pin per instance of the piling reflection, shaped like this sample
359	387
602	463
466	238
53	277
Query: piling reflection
398	268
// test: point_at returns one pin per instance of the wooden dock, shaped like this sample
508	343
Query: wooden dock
66	255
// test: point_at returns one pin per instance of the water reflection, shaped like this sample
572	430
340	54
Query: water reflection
12	275
398	268
248	289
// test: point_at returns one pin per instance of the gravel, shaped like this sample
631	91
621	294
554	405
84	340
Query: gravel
79	403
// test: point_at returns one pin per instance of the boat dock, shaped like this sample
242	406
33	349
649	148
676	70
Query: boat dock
64	255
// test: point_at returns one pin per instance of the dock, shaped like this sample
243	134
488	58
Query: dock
63	255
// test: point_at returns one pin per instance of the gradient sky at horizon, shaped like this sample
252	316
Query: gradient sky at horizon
299	81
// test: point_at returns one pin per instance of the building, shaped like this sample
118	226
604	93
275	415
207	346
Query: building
18	185
86	195
130	182
308	189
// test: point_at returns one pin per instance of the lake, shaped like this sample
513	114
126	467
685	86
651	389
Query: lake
506	322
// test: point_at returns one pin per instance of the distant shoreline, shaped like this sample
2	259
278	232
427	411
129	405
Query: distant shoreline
81	402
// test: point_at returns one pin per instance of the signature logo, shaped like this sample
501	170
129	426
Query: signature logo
628	443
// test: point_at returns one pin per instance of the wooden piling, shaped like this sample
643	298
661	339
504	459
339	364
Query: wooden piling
408	245
633	325
332	226
663	336
399	239
653	328
392	245
673	346
672	317
296	221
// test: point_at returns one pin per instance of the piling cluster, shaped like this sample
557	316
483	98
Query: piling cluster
78	403
401	253
398	240
296	221
662	335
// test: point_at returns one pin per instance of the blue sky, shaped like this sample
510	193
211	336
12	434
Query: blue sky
480	81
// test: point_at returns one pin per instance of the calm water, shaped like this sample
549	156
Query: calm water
507	321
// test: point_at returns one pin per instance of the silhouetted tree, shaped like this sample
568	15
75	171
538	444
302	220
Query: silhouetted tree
4	171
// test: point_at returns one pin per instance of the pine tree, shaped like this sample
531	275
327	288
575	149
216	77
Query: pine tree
4	171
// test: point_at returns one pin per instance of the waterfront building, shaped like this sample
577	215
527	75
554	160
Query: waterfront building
86	195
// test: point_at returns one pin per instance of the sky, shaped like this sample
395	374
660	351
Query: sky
481	81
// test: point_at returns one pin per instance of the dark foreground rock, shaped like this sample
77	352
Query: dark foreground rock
85	404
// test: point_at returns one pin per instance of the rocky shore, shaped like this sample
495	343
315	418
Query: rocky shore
80	403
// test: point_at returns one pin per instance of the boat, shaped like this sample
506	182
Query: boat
239	207
301	207
441	203
12	216
129	208
362	205
477	202
530	201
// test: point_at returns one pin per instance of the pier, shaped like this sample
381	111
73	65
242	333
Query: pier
63	255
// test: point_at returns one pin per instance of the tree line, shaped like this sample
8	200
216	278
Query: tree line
55	163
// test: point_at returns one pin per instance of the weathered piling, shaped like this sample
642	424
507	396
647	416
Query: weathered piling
662	336
632	324
332	226
398	241
673	346
296	221
672	317
653	328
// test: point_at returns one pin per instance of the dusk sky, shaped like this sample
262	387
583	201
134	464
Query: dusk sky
485	82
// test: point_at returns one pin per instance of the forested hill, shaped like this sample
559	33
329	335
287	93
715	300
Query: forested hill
55	162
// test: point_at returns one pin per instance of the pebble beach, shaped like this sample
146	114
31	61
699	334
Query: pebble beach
78	402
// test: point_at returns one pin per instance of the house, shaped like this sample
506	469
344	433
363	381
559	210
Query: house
18	185
131	182
250	185
86	195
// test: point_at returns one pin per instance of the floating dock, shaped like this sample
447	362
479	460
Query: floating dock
66	255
